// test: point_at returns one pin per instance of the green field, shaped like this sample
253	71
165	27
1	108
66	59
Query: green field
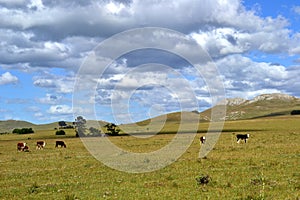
267	167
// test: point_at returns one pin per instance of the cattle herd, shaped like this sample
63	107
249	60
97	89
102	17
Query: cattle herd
22	146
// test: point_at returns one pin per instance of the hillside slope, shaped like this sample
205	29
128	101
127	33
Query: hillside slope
261	106
8	125
264	105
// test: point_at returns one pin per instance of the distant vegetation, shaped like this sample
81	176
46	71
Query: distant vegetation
113	129
94	131
23	131
295	112
64	125
60	132
80	127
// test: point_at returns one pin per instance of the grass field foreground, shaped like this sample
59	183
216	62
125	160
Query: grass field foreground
267	167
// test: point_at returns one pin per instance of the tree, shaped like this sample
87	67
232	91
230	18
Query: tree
62	124
112	129
94	131
80	128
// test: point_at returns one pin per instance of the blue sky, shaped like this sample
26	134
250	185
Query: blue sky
254	44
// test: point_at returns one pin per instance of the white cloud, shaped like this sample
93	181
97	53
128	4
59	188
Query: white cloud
36	5
225	41
50	99
8	78
49	35
244	77
37	35
39	115
55	83
60	110
296	9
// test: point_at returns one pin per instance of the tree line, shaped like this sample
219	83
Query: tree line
23	131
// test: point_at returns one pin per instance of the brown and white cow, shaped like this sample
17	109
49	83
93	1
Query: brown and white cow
202	140
21	146
40	144
60	143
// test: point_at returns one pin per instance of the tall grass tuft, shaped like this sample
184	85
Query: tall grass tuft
34	188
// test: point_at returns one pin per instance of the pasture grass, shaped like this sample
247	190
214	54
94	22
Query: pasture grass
267	167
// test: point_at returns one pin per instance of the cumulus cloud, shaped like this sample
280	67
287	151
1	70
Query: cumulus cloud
47	34
60	110
271	37
56	83
40	36
8	78
244	77
50	99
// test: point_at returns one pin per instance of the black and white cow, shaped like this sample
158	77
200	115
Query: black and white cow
240	137
202	140
60	143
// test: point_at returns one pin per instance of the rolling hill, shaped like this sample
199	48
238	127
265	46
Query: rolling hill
264	105
7	126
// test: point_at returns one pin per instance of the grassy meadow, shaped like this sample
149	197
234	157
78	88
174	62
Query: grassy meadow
267	167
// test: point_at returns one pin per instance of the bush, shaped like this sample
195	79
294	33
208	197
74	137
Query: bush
60	132
203	179
23	131
295	112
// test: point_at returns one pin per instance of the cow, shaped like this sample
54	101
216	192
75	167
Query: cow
202	140
240	137
22	146
61	144
40	144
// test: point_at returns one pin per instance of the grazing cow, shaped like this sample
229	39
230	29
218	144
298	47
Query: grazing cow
61	144
240	137
40	144
202	140
21	146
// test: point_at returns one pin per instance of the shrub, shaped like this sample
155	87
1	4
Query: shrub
60	132
203	179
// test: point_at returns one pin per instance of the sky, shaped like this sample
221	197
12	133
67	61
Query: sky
48	50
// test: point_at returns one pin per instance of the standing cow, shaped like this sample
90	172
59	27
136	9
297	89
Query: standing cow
202	140
240	137
60	143
40	144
